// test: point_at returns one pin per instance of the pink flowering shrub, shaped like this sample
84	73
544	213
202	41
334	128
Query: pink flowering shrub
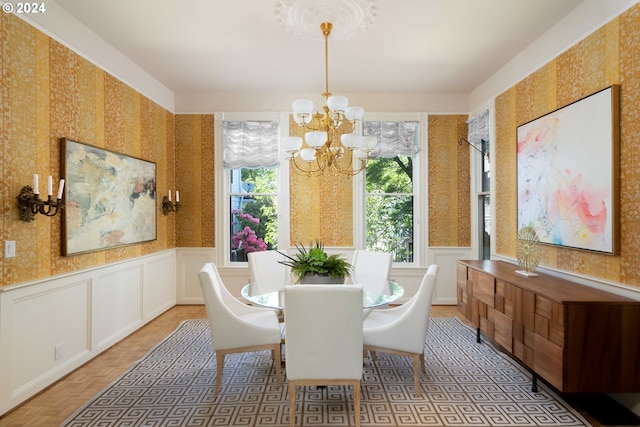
246	238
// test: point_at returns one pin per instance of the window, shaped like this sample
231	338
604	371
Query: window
253	201
390	190
251	159
479	138
484	204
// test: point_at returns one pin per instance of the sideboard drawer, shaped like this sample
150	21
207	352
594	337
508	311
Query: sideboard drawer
548	361
503	334
484	287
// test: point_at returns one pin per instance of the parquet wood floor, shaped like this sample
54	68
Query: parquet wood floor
55	404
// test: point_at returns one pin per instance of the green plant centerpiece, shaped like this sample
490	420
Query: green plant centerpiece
313	265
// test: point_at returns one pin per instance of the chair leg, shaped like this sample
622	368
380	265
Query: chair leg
424	368
356	403
219	365
416	372
277	359
292	404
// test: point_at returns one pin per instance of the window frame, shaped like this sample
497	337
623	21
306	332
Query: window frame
253	194
420	184
222	186
478	193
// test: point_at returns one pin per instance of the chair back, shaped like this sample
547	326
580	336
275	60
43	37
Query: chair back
266	274
371	269
222	319
323	329
414	318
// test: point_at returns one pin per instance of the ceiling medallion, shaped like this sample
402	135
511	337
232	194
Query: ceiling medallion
303	17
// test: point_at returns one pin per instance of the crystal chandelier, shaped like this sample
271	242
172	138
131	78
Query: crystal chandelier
334	140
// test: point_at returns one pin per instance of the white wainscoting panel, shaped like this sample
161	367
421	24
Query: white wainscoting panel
118	301
80	314
159	293
447	258
189	262
40	321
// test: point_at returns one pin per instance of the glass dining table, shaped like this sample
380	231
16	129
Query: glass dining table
373	297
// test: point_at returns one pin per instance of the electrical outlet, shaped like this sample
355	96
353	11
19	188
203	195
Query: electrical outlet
9	248
59	351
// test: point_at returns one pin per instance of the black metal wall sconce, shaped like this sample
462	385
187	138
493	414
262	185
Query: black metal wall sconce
31	204
168	205
463	140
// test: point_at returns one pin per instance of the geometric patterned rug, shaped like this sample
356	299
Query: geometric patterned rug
467	384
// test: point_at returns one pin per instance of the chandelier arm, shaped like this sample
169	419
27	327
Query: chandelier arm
349	169
319	170
309	172
351	172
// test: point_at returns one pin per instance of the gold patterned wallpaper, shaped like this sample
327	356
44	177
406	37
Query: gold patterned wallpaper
321	207
196	183
449	182
48	92
611	55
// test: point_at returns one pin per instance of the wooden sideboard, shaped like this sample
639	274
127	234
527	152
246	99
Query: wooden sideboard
577	338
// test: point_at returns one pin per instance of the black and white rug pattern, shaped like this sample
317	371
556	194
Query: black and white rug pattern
466	384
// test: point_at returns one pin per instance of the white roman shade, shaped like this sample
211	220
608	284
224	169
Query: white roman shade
250	144
394	137
478	129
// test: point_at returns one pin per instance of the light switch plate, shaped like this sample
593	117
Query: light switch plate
9	248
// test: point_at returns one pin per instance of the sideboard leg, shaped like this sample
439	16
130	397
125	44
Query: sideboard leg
534	383
478	335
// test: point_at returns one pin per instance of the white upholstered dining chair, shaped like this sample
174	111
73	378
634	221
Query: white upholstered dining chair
323	328
403	330
372	270
236	327
266	274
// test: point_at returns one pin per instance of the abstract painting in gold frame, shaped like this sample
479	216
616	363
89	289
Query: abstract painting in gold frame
110	199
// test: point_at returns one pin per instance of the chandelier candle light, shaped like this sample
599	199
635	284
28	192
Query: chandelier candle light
326	142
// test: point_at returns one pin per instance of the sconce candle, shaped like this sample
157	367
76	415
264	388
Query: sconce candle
35	184
61	189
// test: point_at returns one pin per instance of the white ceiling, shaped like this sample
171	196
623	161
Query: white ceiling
238	46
